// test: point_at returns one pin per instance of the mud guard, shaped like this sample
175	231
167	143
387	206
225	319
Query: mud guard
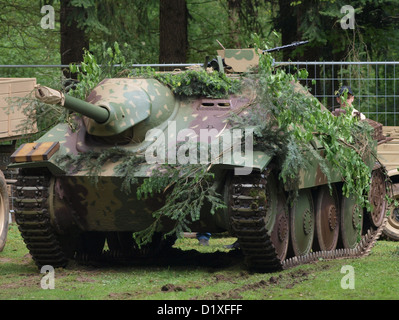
53	168
258	161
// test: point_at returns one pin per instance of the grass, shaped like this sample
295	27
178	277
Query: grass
197	278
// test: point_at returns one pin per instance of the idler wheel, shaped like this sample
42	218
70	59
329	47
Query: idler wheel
302	223
327	218
391	229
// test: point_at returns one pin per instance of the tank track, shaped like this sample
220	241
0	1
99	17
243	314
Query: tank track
32	215
33	219
249	227
248	223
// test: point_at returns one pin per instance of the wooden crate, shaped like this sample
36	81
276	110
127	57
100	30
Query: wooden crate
12	116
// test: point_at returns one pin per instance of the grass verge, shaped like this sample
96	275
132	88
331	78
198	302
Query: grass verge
202	273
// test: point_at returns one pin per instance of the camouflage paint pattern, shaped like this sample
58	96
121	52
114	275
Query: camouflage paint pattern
240	60
136	106
129	102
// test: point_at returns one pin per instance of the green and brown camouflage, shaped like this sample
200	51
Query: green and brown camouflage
240	60
243	60
146	120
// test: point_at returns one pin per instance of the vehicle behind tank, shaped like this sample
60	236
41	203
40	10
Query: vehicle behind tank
130	127
12	119
387	153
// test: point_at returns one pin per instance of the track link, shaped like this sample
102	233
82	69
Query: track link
33	219
250	227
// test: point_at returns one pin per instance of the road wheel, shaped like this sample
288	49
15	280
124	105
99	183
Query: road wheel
302	223
351	222
327	218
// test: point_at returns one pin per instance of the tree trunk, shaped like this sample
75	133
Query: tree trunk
234	7
73	39
173	31
287	22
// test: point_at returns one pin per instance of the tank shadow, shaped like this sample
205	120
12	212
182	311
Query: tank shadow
171	258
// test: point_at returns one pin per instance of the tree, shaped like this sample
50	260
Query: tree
246	17
73	36
319	22
133	24
173	42
24	41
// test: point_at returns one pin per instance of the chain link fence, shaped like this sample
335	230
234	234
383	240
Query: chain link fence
374	84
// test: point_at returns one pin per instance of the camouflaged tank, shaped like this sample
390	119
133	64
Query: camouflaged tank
63	215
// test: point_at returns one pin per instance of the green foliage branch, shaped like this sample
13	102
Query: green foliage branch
193	82
289	124
93	161
90	73
187	188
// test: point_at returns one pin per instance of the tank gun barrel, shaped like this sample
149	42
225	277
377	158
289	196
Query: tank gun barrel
292	45
51	96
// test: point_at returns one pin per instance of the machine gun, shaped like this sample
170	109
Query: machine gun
288	46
